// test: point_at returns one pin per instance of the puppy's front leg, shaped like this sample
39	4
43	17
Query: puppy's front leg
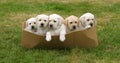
62	35
48	36
87	27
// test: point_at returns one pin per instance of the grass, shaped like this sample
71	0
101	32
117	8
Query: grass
13	13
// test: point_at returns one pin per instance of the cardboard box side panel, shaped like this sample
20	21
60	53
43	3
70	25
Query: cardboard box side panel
86	38
29	40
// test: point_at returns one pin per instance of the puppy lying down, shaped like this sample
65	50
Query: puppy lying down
31	25
56	27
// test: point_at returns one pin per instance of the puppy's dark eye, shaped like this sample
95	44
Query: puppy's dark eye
75	21
34	22
40	20
54	21
70	22
92	19
29	23
87	19
45	20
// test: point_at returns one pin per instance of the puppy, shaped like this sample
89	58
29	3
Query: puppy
87	20
31	25
56	27
71	23
42	24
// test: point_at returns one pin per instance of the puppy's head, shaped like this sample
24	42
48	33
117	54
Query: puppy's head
42	21
88	19
55	21
31	24
72	22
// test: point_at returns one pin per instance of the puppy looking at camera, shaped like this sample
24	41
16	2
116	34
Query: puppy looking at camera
71	23
87	20
31	25
42	24
56	27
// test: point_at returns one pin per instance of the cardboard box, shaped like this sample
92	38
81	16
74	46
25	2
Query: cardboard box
85	39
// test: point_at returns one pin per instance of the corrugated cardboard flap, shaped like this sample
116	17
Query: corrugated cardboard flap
85	38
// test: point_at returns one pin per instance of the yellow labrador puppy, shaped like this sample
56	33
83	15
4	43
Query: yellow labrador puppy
71	23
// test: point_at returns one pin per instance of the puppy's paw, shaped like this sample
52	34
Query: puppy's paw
62	38
48	37
87	27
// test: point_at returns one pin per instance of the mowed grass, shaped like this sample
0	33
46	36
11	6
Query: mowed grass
14	12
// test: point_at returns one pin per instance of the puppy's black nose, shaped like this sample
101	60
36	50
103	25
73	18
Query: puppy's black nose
42	24
32	27
51	26
91	24
74	27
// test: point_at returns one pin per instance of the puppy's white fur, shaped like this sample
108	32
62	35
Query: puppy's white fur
56	27
42	24
87	20
31	25
71	23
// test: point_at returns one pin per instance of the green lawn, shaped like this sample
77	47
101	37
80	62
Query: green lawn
14	12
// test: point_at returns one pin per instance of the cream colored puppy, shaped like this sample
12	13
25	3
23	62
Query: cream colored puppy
87	20
56	27
42	24
31	25
71	23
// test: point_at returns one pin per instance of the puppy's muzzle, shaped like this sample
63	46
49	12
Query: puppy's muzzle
74	27
41	25
91	24
32	27
51	25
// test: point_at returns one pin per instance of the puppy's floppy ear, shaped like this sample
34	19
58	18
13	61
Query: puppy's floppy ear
60	21
82	20
79	22
66	22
